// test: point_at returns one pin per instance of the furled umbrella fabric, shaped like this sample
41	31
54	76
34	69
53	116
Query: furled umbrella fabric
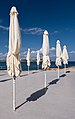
58	54
13	59
45	51
38	57
65	56
28	57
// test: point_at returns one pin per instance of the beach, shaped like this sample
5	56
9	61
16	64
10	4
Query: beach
37	38
33	101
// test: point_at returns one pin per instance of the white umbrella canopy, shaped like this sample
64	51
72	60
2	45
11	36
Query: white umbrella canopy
45	51
13	59
38	57
65	56
58	55
28	57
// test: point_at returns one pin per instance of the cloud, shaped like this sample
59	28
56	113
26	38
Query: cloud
52	49
4	28
40	51
37	31
23	53
33	52
6	46
3	55
54	32
72	52
33	31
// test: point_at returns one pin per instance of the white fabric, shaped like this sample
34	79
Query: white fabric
13	59
38	57
46	62
65	55
58	62
45	46
28	57
58	53
45	50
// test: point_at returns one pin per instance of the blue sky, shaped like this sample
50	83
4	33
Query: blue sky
56	16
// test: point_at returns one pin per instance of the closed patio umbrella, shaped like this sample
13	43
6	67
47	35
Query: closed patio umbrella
28	59
38	59
58	55
65	57
45	51
13	59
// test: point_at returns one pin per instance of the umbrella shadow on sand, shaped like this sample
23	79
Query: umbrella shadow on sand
24	75
38	94
2	74
63	75
6	80
29	73
34	96
67	71
37	71
34	72
53	82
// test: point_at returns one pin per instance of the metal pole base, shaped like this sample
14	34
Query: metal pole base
14	93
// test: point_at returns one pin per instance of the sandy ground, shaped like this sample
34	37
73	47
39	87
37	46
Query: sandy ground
67	69
33	101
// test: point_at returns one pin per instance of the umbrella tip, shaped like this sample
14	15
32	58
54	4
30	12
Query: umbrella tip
64	46
13	10
46	32
28	49
58	41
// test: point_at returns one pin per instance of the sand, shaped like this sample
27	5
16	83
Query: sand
33	101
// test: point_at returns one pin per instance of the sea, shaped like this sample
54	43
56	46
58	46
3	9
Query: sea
33	65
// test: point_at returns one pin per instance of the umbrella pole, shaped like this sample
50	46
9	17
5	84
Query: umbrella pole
45	78
28	69
64	68
37	67
58	72
14	93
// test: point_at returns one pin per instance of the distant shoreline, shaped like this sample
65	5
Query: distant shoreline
72	68
23	60
34	60
33	65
